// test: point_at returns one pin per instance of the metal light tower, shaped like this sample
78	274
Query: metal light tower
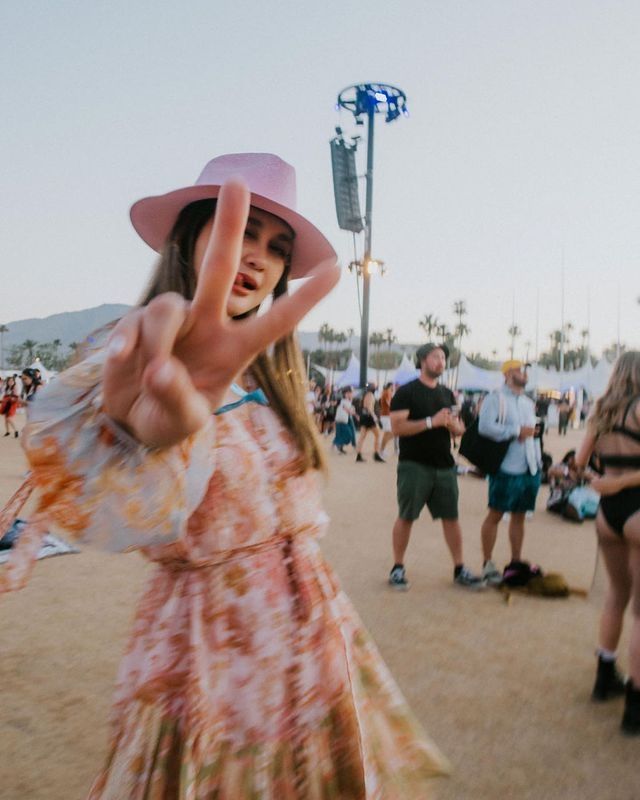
367	100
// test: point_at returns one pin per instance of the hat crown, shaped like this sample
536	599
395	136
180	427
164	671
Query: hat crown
265	174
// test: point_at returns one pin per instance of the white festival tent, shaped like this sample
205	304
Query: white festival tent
406	371
351	375
475	379
592	379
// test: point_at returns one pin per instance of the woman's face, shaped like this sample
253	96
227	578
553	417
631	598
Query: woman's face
268	243
26	379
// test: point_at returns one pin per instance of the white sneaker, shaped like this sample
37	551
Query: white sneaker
468	580
490	574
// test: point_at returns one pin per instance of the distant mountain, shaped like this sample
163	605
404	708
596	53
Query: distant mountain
70	326
74	326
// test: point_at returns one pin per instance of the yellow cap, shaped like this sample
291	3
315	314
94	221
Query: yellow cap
513	363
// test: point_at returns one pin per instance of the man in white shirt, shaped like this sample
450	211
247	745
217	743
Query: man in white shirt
509	415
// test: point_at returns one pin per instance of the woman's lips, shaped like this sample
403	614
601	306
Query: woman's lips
243	284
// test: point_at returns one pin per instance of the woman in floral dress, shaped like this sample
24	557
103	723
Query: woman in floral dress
248	674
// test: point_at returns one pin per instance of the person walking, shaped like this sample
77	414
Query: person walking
369	424
248	673
30	385
345	428
421	417
508	415
9	405
385	416
564	412
613	434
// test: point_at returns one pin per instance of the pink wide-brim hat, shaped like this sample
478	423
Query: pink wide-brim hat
272	183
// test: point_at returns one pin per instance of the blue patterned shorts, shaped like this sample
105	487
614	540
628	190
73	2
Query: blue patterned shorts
515	493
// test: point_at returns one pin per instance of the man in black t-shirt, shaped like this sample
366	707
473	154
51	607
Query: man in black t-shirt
421	415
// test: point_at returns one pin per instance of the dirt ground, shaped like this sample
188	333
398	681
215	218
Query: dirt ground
503	688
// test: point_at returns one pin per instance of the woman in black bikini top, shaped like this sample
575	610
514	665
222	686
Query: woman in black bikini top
613	433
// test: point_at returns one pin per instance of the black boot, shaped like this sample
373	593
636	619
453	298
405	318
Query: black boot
359	458
631	718
609	682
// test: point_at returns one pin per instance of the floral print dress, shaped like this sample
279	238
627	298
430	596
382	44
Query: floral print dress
248	675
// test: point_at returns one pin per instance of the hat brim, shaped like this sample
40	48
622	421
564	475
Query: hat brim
154	217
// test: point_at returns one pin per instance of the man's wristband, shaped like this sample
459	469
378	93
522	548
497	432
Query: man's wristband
429	423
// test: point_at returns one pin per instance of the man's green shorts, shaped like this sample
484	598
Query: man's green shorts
420	485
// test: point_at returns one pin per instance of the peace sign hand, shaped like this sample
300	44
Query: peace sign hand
170	363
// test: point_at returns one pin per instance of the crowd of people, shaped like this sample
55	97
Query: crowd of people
187	434
601	480
17	391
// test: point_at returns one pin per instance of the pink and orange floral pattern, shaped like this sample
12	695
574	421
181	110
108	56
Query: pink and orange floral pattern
248	675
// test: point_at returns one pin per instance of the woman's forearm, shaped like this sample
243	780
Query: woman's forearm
584	451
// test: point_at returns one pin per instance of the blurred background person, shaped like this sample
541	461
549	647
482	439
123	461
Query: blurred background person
369	424
564	412
345	426
9	405
30	385
385	415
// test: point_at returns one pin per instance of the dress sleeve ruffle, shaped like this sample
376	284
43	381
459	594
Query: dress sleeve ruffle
98	483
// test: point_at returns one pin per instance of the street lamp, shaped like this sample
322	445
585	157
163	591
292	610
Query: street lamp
371	267
367	100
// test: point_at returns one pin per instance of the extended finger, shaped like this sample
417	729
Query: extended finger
287	311
121	364
169	382
162	320
224	251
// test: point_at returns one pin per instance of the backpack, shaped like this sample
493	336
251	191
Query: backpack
522	575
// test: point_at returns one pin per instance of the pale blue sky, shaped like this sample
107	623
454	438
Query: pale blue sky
523	140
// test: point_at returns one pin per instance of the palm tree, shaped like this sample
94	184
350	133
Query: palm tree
462	329
460	310
56	344
340	338
568	328
3	330
377	339
514	331
30	346
527	344
390	338
429	324
323	336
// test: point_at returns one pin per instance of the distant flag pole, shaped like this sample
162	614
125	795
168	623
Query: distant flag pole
537	323
618	325
562	313
588	354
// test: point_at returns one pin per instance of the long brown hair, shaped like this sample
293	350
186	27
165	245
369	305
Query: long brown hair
623	387
280	373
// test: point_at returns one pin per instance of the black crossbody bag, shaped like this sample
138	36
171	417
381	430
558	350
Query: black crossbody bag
484	453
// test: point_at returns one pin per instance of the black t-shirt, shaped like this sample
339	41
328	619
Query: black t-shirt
433	447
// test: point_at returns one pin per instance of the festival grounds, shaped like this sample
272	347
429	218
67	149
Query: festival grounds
503	688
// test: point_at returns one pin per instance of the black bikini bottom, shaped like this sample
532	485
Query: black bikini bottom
617	508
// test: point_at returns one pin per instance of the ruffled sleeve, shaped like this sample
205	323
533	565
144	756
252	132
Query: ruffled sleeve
99	484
